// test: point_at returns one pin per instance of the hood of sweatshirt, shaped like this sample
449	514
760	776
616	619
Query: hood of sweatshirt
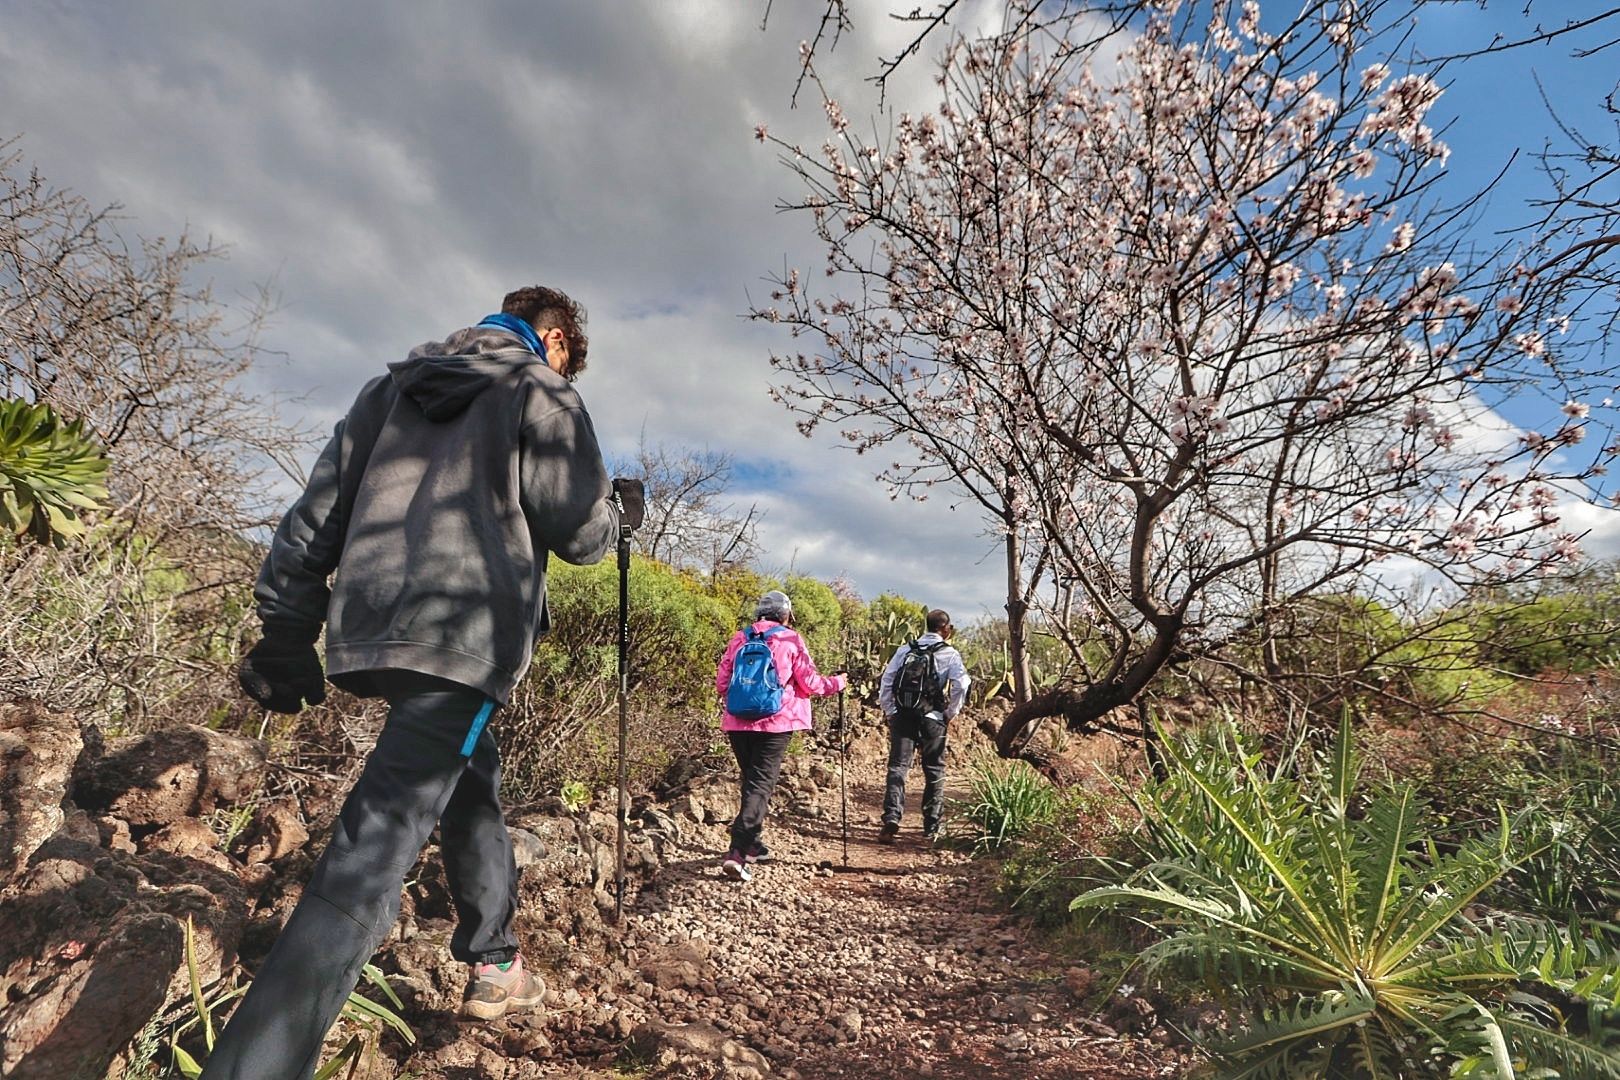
443	377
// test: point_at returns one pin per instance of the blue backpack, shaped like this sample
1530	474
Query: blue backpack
754	691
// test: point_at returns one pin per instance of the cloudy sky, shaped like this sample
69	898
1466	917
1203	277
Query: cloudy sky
392	169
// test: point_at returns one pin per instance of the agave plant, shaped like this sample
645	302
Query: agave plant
1350	942
1006	800
50	472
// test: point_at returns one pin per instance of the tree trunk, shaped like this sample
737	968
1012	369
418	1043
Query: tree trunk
1017	644
1084	708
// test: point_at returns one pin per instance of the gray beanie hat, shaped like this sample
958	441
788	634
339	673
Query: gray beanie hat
774	605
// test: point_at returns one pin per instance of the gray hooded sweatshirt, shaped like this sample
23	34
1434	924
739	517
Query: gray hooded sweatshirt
436	504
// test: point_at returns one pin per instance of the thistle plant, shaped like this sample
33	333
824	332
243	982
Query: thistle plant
1349	941
51	472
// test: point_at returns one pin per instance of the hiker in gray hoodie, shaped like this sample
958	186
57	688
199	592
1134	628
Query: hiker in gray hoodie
433	510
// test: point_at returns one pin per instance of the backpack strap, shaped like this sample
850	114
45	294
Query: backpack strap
764	635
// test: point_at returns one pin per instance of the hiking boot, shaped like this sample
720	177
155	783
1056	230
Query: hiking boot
931	832
493	992
890	830
759	853
735	866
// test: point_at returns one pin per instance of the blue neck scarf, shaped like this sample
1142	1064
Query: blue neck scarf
521	328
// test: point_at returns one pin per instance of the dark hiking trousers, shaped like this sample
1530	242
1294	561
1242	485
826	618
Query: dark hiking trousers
435	762
759	759
924	736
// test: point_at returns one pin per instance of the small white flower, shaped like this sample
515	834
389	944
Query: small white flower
1373	77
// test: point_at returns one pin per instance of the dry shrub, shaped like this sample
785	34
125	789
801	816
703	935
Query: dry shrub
142	622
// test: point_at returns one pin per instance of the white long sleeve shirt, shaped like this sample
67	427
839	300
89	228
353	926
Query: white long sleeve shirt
947	661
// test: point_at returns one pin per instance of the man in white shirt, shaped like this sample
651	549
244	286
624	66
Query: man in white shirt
923	687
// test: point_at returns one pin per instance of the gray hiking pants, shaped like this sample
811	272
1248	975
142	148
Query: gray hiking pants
435	763
925	737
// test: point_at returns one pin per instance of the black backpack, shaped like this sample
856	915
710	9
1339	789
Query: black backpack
918	687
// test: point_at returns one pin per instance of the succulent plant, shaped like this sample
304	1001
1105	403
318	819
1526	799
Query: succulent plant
51	473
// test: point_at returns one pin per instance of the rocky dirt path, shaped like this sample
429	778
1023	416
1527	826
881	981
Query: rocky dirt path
903	965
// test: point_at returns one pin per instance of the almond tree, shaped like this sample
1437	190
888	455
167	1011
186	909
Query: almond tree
1179	310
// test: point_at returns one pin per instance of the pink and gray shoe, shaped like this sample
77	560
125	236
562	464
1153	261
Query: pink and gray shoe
494	992
735	866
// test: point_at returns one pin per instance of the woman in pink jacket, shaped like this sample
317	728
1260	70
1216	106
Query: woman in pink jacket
761	743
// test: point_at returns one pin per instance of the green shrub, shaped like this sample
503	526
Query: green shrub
819	618
562	721
736	589
1346	643
124	630
1086	844
1006	800
987	653
1350	943
1443	664
1567	624
872	634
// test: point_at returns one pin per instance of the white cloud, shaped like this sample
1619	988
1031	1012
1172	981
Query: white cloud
392	169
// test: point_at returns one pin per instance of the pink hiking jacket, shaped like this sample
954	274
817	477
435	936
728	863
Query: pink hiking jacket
794	669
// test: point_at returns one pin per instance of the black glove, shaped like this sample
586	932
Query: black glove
632	498
282	671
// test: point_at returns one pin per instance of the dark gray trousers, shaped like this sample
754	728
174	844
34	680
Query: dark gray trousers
925	737
435	763
759	760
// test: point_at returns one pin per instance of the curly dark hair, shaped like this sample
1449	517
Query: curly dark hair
547	309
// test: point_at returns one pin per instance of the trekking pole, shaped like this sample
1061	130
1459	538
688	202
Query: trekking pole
624	718
843	765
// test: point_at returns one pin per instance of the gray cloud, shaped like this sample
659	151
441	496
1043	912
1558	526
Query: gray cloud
392	169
